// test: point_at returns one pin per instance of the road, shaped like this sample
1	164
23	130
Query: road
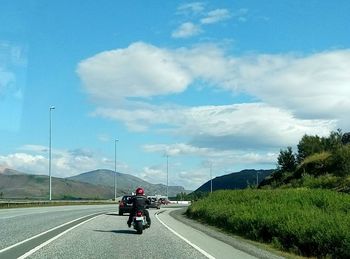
102	233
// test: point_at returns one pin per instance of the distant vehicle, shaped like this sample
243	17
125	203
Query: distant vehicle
164	201
154	202
124	206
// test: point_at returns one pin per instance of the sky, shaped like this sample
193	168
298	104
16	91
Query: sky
208	84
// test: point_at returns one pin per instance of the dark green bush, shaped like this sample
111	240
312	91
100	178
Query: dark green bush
341	161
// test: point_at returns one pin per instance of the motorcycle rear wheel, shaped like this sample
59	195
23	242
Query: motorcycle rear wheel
139	227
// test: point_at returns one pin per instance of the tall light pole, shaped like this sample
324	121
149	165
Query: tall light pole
257	179
50	191
167	176
115	169
211	178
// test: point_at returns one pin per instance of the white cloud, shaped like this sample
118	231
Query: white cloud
311	86
190	179
24	162
195	11
215	16
64	162
192	8
103	137
186	30
34	148
241	15
176	149
12	60
314	86
244	126
141	70
150	173
144	70
222	158
296	95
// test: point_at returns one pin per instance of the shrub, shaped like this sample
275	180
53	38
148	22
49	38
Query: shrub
341	161
316	164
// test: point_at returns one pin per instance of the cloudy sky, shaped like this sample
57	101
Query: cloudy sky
221	83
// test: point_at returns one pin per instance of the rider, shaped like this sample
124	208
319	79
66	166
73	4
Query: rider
139	202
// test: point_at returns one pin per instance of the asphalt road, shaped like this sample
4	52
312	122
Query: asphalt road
19	224
104	234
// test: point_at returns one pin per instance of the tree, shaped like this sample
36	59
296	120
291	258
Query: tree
341	161
333	142
286	160
345	138
180	196
309	145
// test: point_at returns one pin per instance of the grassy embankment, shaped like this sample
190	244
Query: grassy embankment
302	221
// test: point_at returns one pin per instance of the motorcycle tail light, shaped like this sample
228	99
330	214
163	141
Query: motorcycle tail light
139	213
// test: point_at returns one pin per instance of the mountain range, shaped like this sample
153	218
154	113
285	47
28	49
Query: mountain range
238	180
14	184
98	184
126	183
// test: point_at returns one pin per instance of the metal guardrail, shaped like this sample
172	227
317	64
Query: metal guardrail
35	203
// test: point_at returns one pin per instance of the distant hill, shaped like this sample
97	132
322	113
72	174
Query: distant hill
125	182
37	186
8	171
239	180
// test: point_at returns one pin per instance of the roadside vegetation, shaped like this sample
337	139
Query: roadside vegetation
302	221
320	162
303	207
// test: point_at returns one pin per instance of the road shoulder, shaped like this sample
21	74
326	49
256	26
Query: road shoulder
179	214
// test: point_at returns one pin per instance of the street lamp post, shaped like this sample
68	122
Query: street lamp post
50	191
257	179
211	178
167	176
115	169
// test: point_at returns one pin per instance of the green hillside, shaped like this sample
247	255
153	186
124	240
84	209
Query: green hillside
239	180
37	186
320	162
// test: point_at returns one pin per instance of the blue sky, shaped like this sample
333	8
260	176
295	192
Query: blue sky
227	83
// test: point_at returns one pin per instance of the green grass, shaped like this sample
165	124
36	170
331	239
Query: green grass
305	222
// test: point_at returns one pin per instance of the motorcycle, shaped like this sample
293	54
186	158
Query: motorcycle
139	222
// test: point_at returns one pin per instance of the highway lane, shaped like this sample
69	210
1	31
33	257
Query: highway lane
22	223
108	236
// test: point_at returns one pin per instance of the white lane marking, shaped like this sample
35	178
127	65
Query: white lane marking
53	239
19	243
30	211
185	239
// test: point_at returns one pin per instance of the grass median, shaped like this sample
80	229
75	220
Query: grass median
305	222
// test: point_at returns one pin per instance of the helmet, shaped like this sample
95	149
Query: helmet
140	191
